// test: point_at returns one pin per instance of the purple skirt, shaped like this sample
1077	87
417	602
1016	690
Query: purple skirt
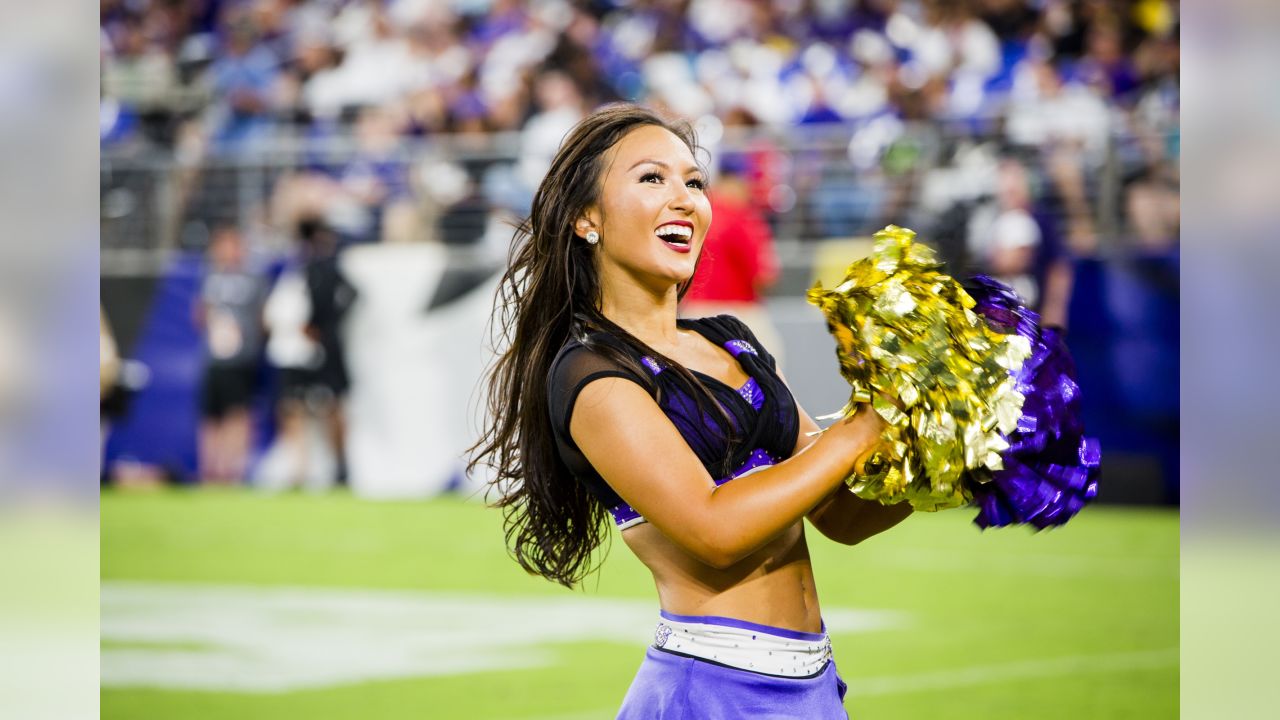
674	686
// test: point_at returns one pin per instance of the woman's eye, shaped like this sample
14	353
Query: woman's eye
650	177
697	183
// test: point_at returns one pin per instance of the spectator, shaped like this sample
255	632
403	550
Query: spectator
1046	112
738	262
1106	64
330	296
561	107
376	177
377	68
312	381
1003	235
229	313
137	72
244	83
1153	210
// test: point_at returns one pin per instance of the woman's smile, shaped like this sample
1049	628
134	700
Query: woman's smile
677	234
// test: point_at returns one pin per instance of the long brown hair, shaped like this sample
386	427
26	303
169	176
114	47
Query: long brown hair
550	292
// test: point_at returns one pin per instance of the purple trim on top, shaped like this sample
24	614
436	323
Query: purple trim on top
751	392
652	364
623	514
737	347
744	625
757	459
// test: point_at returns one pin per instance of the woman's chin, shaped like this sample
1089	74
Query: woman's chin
664	273
679	278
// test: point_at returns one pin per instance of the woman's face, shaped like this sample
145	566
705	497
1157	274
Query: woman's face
653	213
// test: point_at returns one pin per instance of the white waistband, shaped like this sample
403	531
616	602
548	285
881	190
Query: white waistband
744	645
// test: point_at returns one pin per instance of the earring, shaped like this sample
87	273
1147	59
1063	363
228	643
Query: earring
593	237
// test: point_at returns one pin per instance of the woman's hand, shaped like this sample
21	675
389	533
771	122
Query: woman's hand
843	516
860	434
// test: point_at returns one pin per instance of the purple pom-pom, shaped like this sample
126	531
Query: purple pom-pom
1050	469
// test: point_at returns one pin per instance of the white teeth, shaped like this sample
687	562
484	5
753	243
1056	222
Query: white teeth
675	231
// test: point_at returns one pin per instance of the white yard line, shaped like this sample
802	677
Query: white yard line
256	639
266	640
969	676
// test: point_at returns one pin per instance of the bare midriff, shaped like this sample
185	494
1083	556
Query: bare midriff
771	586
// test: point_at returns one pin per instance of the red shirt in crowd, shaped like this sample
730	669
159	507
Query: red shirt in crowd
737	257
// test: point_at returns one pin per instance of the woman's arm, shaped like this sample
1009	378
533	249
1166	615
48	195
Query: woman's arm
636	449
843	516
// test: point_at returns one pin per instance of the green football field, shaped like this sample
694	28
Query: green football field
229	604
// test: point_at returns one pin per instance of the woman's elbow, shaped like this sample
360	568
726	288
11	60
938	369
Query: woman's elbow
886	517
862	525
847	535
849	539
719	560
838	527
719	550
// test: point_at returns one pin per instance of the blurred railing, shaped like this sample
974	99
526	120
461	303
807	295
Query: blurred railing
812	183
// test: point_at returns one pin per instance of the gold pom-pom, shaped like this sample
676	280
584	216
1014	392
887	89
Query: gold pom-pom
910	344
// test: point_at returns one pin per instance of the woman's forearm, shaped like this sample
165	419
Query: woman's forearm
748	512
848	519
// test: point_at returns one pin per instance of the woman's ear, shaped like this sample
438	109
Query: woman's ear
586	224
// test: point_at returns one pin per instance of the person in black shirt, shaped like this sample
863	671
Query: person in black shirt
331	296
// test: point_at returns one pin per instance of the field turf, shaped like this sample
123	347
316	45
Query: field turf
1080	622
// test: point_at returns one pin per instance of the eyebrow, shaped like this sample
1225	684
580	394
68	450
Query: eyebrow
659	163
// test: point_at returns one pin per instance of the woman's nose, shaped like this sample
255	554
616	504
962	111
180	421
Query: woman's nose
681	198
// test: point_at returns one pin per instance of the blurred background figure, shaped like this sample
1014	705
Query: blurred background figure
229	314
329	296
245	77
108	363
738	263
1004	236
119	379
558	106
302	316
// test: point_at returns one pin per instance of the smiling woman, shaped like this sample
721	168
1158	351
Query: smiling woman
660	195
683	431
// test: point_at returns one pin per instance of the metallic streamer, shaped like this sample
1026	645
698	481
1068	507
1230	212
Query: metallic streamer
981	404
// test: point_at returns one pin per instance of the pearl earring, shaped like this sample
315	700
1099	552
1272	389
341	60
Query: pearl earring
593	237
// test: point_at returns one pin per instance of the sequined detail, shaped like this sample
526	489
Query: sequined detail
751	392
757	460
737	347
652	364
744	645
625	516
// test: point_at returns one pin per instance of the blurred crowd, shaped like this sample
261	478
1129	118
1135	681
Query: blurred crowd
1018	136
929	104
244	70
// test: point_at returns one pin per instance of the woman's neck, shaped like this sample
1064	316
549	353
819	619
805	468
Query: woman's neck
650	317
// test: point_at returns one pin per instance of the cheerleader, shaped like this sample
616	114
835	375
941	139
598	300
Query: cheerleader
681	432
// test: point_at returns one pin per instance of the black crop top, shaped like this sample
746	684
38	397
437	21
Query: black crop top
762	412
